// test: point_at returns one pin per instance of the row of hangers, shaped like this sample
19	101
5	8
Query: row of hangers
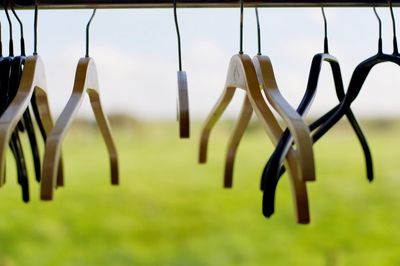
23	92
293	143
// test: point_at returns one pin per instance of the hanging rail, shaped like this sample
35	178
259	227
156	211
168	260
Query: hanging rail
65	4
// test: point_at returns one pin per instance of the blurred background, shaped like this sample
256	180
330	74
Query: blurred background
169	210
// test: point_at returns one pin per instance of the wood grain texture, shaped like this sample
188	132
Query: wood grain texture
295	123
183	105
86	81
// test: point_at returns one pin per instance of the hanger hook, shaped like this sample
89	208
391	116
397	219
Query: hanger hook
21	29
395	48
87	32
241	26
35	27
1	43
258	32
178	36
326	47
11	43
380	30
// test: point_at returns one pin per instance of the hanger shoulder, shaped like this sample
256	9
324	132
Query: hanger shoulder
247	78
293	120
86	76
236	76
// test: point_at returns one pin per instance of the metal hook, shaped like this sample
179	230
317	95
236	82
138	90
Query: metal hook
21	29
395	48
179	37
1	43
35	26
87	32
241	26
11	43
326	47
258	32
380	30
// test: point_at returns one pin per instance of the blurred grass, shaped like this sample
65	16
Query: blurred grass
169	210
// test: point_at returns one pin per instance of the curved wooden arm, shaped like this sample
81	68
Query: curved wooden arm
86	80
297	126
215	114
234	141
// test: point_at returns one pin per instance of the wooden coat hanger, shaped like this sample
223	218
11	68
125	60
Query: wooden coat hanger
86	81
292	118
182	101
296	124
242	74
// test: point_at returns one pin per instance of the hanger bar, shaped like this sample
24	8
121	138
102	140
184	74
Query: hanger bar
67	4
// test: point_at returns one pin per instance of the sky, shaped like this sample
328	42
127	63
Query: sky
136	55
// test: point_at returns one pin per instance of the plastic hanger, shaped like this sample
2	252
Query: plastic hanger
358	78
6	97
86	81
242	74
183	95
33	81
271	172
296	124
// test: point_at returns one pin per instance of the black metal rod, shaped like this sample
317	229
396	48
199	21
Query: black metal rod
66	4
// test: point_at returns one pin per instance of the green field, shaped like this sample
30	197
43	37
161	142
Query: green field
169	210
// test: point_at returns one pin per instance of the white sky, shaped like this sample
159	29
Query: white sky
136	55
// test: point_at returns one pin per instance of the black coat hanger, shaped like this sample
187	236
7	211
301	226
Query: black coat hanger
358	78
15	142
272	172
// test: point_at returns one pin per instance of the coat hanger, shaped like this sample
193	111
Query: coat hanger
358	78
242	74
33	81
292	119
182	102
239	129
271	171
15	142
296	124
86	81
26	122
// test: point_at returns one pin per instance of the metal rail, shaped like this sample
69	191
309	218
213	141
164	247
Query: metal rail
66	4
